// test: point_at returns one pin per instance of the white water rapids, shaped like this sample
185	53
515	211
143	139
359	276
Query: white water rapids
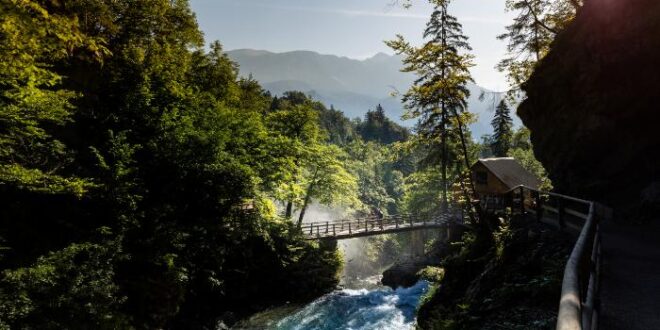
383	309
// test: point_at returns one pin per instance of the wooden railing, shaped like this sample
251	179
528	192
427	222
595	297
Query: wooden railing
373	225
578	306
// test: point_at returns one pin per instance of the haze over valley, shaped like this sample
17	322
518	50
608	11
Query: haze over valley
350	85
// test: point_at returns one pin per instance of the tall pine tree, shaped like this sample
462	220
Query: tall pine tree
438	96
502	130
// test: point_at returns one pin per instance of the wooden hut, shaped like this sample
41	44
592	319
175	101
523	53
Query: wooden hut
494	177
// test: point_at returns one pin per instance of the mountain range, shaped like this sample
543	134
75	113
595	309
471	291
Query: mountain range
350	85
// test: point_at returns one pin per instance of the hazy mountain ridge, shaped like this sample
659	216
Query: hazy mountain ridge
353	86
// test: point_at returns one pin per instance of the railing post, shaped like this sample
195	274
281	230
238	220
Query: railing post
366	225
522	200
311	229
318	233
349	228
539	207
396	222
334	233
560	213
327	227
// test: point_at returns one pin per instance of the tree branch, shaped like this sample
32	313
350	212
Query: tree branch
536	18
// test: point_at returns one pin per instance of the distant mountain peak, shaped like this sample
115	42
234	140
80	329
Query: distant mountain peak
381	56
250	52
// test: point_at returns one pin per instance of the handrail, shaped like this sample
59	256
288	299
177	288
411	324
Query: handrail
570	305
570	198
578	309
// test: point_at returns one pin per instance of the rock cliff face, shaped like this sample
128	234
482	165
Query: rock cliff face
593	104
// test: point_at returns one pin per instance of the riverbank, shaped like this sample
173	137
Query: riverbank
510	279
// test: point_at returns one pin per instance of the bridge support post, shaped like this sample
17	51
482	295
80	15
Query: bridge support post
417	243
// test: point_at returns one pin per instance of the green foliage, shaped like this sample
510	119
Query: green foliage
327	179
379	183
33	102
113	118
522	151
72	288
503	130
339	129
432	274
422	191
377	127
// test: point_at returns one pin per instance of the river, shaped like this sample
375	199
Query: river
381	308
361	303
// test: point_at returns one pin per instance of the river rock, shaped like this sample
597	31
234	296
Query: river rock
403	273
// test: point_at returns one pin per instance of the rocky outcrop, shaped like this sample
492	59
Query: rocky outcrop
406	272
403	274
592	104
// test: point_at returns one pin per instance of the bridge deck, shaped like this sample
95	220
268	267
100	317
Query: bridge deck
630	278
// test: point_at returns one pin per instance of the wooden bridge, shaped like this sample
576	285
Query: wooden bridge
369	226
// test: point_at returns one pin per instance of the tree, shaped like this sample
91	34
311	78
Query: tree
521	149
378	185
33	104
530	35
327	180
440	91
339	129
296	122
377	127
502	130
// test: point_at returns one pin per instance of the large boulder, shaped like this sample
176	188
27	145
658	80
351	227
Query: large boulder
592	104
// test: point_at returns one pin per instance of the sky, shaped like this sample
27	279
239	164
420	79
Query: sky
351	28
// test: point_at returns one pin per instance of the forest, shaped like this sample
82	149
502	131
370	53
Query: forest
146	185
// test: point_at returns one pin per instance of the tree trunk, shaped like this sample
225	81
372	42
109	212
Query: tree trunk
289	204
444	158
308	198
473	217
289	209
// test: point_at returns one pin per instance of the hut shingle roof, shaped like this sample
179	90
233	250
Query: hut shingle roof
510	172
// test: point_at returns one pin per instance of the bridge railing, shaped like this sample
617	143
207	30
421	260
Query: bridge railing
369	224
578	306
